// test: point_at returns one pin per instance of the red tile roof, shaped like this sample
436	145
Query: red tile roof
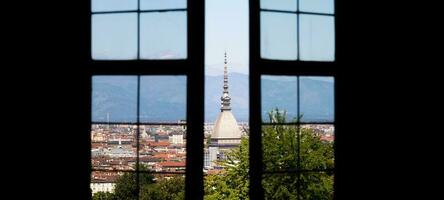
172	164
157	144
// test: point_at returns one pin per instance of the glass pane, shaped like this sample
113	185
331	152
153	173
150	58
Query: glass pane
279	146
317	185
163	98
316	149
162	4
163	35
114	36
317	39
317	99
280	186
114	99
287	5
162	148
279	92
320	6
103	183
113	5
278	36
113	147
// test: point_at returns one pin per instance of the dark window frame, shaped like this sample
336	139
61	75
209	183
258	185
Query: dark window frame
259	67
192	67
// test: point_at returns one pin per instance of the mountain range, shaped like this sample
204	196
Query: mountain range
163	98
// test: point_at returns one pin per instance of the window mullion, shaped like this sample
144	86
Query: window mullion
137	137
138	29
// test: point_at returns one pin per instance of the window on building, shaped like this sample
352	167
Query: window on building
139	131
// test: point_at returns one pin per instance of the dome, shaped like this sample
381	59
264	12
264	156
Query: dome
226	127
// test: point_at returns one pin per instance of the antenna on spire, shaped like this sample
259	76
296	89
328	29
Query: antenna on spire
107	120
225	104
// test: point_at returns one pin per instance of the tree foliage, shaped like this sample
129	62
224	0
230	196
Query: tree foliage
150	188
104	196
165	189
233	182
126	188
280	149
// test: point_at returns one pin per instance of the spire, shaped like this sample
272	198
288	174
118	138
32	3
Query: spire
225	105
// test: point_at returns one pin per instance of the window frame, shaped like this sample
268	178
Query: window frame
260	66
192	67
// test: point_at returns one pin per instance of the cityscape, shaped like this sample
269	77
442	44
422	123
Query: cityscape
160	148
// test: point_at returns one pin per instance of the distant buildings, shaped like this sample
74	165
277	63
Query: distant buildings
103	181
176	139
114	147
102	187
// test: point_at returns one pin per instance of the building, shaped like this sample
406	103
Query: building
98	137
103	182
102	187
176	139
226	132
210	155
207	162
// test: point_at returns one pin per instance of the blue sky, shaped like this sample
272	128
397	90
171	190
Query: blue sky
226	28
163	35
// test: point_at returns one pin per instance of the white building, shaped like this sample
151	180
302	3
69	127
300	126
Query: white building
176	139
102	187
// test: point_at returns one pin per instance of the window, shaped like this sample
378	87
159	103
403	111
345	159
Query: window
297	137
145	82
138	29
292	90
297	30
138	132
144	45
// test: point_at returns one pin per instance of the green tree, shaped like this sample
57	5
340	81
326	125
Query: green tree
150	188
280	146
126	188
233	182
208	141
103	196
164	189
